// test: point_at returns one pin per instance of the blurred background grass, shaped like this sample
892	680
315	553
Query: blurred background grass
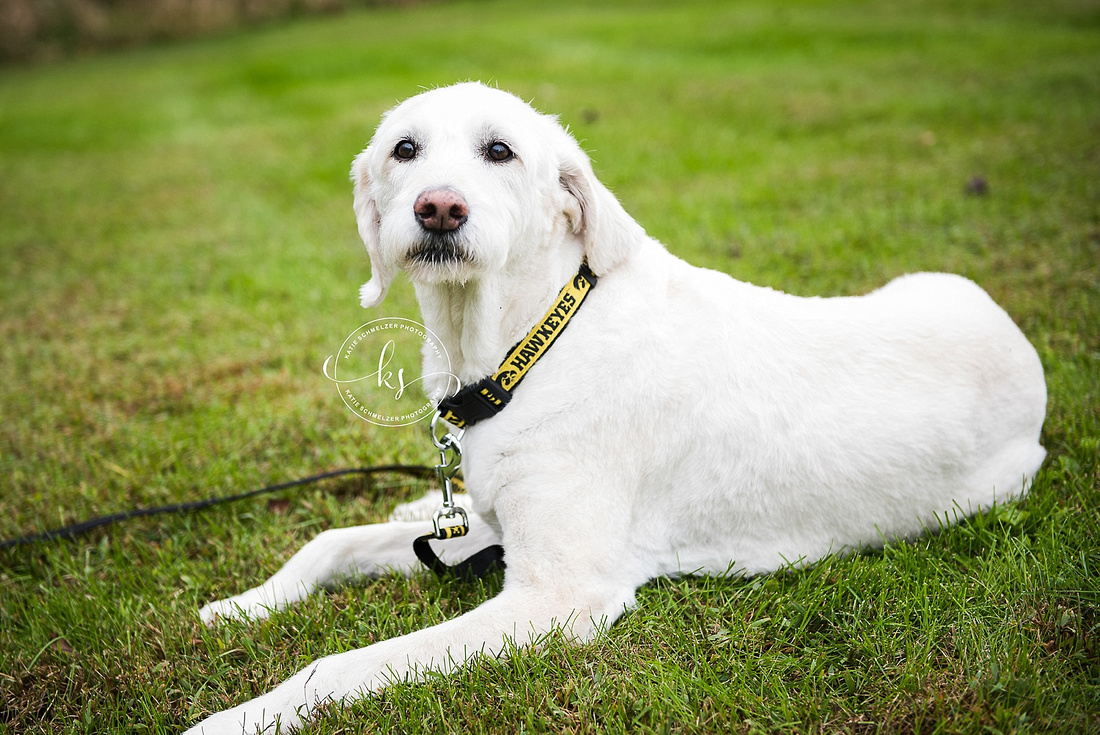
180	257
33	30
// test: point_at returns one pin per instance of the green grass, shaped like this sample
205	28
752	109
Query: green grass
179	258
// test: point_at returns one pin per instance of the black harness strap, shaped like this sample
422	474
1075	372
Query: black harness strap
486	561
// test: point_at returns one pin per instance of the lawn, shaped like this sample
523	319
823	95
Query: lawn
180	257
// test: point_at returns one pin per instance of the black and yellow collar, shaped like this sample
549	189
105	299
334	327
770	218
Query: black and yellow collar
488	397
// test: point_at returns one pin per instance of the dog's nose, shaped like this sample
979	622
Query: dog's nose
441	210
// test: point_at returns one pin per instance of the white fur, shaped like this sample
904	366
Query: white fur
683	423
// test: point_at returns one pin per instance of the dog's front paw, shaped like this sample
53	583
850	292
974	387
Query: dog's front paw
221	723
243	720
282	710
246	606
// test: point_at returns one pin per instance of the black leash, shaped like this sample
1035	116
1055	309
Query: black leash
78	529
486	561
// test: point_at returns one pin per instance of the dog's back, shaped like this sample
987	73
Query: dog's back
819	425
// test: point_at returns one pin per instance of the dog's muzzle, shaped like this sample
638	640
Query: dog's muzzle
444	249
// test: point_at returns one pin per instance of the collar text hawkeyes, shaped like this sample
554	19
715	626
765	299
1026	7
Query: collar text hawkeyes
488	397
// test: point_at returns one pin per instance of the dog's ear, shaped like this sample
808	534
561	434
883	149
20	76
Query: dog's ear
366	215
609	232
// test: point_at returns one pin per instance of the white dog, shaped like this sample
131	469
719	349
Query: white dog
683	423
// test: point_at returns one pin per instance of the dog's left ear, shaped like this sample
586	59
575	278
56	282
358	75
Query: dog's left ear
609	232
366	215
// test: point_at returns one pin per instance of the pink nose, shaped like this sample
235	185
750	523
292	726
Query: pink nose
441	210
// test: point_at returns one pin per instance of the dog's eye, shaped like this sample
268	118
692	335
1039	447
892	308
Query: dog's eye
497	151
405	150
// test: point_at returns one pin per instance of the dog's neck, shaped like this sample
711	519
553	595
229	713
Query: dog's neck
479	321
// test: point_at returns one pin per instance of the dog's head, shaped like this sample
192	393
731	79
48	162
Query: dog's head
462	181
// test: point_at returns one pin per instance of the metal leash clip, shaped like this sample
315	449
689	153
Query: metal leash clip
450	521
450	462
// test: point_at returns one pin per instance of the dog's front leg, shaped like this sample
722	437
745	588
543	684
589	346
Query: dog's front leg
516	615
343	553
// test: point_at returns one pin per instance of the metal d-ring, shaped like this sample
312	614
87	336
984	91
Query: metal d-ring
449	439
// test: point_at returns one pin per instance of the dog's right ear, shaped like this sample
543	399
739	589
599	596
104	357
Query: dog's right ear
366	215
